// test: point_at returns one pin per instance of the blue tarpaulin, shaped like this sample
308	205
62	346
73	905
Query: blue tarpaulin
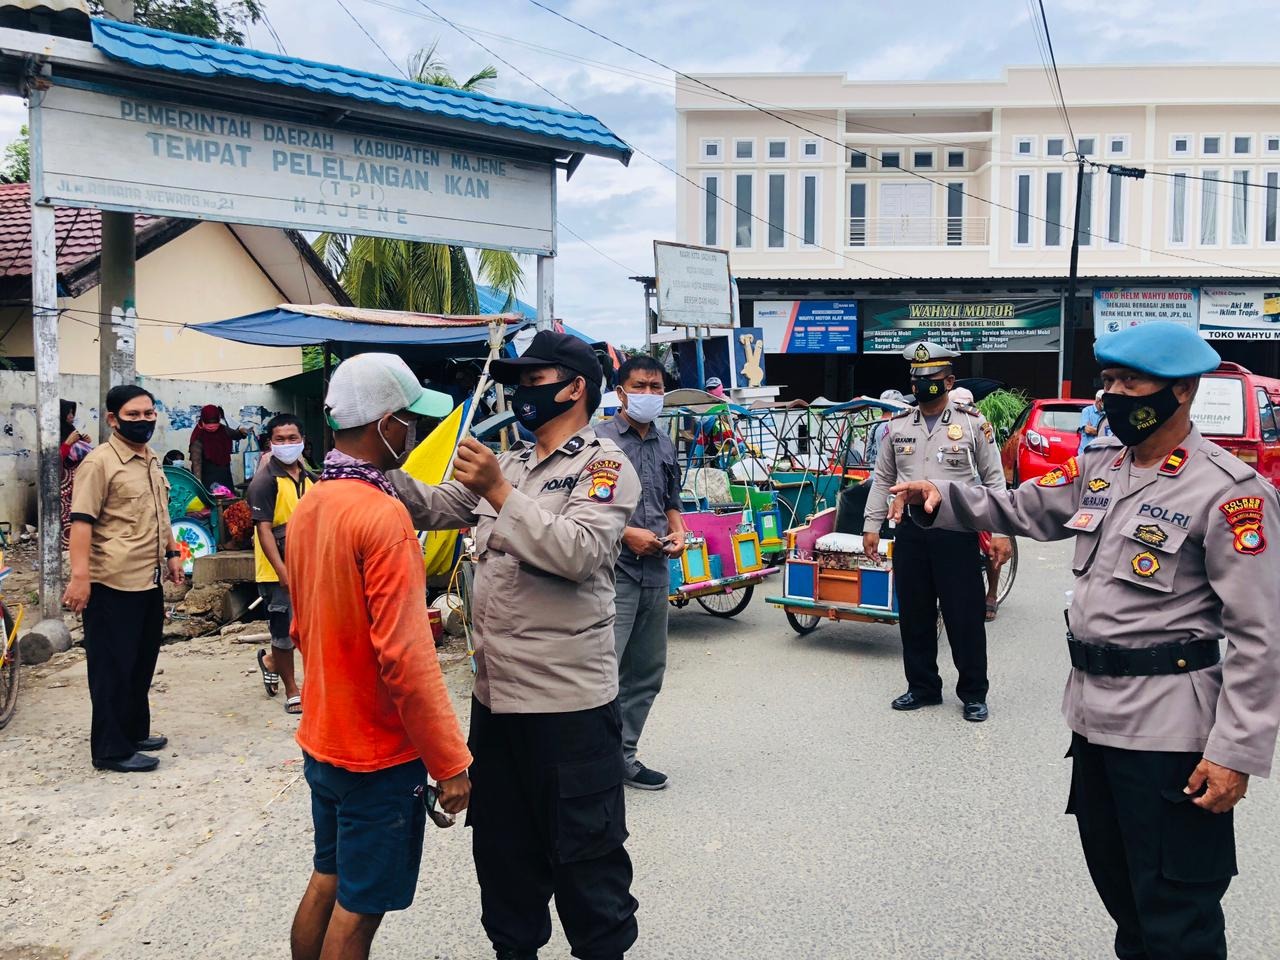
294	325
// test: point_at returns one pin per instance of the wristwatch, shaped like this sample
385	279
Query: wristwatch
171	554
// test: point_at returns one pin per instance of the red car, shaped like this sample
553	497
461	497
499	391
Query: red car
1240	411
1045	436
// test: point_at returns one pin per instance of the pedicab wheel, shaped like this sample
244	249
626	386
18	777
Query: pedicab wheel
1008	573
727	604
803	623
9	670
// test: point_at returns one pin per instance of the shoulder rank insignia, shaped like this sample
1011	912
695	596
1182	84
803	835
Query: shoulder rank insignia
1151	533
1146	565
1244	517
1119	461
1097	485
1174	463
1061	476
574	444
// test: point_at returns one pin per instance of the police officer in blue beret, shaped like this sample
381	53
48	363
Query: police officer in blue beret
1173	698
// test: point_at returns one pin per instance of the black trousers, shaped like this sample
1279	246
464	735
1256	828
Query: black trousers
1160	863
932	569
122	632
548	819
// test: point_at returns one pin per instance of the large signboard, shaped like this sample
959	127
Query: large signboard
808	326
120	152
1240	313
693	284
970	326
1116	308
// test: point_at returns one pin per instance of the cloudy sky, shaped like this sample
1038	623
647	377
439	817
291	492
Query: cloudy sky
620	211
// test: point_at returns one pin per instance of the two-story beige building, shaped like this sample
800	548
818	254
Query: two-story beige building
946	209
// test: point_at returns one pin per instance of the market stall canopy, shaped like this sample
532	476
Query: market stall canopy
294	324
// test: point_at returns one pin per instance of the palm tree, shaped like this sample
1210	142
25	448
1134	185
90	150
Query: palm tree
390	274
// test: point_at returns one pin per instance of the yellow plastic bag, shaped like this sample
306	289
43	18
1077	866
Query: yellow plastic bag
428	464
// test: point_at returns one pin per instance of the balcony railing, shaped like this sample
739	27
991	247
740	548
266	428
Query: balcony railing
918	231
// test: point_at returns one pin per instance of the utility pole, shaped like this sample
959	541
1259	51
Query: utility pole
117	294
1070	320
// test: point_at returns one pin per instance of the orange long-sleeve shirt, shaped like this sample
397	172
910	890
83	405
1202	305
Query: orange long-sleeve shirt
374	695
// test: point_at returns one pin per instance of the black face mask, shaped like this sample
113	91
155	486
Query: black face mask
136	431
927	389
536	406
1133	419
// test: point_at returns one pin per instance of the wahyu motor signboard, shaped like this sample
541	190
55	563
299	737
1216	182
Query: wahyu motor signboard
1240	313
693	284
119	152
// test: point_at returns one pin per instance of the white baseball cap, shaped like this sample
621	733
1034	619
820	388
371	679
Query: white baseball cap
369	386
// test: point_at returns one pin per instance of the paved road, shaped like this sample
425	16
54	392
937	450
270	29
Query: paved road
805	818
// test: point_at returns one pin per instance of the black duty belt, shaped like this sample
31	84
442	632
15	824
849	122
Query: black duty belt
1143	661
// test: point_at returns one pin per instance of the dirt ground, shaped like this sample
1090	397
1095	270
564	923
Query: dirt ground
77	846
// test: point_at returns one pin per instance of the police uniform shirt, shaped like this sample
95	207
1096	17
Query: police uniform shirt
961	446
1171	554
542	610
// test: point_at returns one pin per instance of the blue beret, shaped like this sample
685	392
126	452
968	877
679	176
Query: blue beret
1161	348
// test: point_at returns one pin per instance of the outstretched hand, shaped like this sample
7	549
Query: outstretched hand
914	493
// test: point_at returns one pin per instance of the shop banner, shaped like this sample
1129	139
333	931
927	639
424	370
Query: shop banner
1116	308
808	326
1240	313
970	326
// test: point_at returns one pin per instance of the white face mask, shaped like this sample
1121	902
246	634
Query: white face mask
644	407
287	453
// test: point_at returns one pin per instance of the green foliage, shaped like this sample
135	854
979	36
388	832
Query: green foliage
313	358
1002	409
15	167
223	20
386	274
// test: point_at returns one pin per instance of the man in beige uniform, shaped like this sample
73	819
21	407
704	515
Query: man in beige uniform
547	809
1171	557
939	439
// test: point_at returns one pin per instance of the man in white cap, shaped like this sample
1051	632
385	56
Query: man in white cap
1093	422
377	716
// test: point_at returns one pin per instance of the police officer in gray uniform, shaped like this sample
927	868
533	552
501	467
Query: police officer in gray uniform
1171	559
937	568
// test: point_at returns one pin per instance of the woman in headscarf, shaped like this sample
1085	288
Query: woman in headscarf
71	450
211	443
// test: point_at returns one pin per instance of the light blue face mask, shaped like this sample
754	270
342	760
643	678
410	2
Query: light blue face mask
644	407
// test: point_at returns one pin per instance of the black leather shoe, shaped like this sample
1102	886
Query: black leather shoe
910	701
138	763
975	712
151	744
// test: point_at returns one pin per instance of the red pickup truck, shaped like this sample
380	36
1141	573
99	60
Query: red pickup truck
1240	411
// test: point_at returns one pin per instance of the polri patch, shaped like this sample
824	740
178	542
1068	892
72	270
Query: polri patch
1244	517
1061	476
1146	565
987	432
1097	485
1151	533
604	480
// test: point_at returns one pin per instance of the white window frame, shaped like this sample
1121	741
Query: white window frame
1097	142
1222	143
1054	156
1250	218
719	177
1029	153
817	150
933	158
1175	137
1188	221
1121	154
1115	182
898	166
866	211
768	212
1218	187
786	150
817	211
1089	212
964	158
1265	150
866	159
1031	211
1253	139
1267	195
706	142
753	223
739	140
947	193
1064	229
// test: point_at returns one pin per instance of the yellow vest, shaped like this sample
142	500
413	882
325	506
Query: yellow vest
288	494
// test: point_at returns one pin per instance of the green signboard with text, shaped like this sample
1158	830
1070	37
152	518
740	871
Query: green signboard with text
970	326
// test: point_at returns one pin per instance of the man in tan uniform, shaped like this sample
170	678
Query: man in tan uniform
547	807
939	439
1170	558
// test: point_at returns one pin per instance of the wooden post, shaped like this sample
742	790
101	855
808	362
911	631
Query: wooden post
44	329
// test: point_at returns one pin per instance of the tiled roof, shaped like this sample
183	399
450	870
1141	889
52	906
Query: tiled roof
177	53
79	232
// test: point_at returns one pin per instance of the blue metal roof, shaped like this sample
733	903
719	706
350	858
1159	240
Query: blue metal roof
178	53
493	300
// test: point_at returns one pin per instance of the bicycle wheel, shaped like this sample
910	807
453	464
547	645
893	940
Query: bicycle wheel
9	669
803	623
727	604
1007	573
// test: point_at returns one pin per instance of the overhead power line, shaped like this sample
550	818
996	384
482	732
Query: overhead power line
577	236
395	66
1044	40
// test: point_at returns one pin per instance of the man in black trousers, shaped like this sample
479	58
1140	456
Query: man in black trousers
121	546
938	440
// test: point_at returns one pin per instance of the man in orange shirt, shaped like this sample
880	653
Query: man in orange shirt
377	717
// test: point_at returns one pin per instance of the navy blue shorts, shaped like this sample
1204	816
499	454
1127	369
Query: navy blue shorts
369	832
